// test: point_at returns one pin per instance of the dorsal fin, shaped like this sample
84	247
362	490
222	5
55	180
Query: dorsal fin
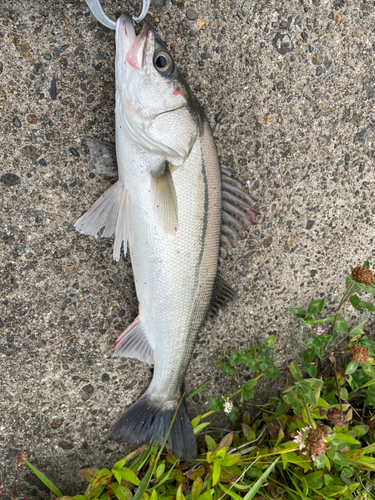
238	212
222	294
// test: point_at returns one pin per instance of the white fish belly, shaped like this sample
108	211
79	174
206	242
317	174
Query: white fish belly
175	273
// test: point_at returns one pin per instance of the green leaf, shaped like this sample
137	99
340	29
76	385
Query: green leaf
317	345
199	428
360	305
211	444
359	430
307	394
216	473
89	474
315	480
368	369
198	389
337	458
44	480
272	372
128	475
316	306
369	449
144	483
248	432
319	462
356	330
353	455
309	355
366	264
341	325
341	436
351	368
257	485
196	488
295	371
264	351
288	398
229	492
179	494
300	313
213	404
336	490
250	384
309	367
253	365
269	341
121	492
160	470
226	441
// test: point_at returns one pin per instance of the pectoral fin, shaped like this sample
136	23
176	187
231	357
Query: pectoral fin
164	198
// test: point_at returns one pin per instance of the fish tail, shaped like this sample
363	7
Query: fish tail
146	421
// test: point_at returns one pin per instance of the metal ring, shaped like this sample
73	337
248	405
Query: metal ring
98	13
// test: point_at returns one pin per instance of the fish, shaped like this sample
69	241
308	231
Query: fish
179	212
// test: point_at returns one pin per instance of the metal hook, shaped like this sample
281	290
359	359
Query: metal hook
98	13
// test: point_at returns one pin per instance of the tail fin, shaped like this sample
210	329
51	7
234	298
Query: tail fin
144	422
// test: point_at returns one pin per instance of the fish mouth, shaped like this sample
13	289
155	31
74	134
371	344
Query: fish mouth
130	47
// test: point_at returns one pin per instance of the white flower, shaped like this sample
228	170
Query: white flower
228	406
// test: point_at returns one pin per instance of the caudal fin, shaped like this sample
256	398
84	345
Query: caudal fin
145	422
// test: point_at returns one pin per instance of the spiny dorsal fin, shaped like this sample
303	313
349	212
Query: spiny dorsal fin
133	343
238	212
221	296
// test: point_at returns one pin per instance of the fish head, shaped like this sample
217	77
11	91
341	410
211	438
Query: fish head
152	97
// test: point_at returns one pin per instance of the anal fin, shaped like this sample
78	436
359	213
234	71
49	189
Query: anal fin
221	296
133	343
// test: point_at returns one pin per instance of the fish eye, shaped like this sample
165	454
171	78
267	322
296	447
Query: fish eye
163	62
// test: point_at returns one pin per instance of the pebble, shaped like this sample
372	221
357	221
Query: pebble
360	136
74	152
21	27
255	185
298	21
283	43
57	422
30	152
246	7
32	119
267	242
53	89
319	71
318	114
327	63
105	377
316	59
88	389
310	224
40	343
47	57
65	445
16	122
12	454
10	179
191	14
370	92
43	162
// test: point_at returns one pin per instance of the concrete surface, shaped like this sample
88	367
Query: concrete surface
288	87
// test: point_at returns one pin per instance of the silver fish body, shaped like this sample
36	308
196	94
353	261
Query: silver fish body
167	206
